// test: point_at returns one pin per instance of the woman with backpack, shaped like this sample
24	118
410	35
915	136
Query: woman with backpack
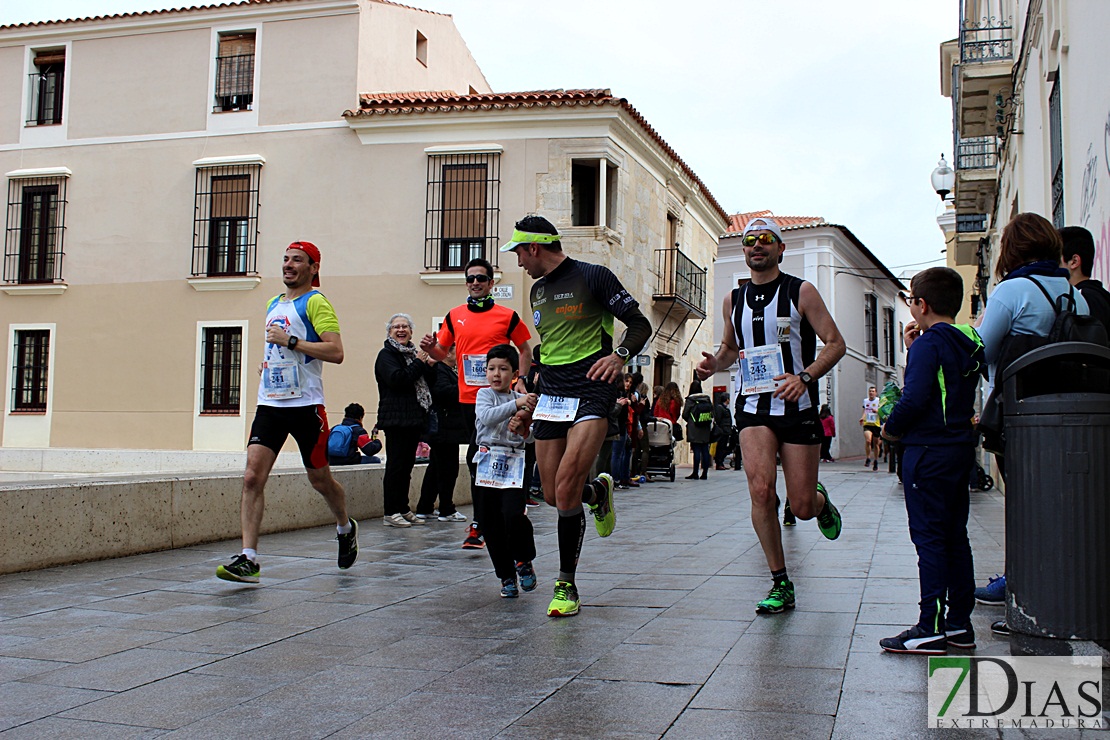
698	413
1019	315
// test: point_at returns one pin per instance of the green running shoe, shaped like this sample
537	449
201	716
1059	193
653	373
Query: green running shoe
565	603
828	521
604	516
241	569
780	598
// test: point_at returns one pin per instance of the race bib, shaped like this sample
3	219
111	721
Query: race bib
499	467
474	370
281	379
555	408
758	368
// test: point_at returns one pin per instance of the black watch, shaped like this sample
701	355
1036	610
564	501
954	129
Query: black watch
292	344
805	377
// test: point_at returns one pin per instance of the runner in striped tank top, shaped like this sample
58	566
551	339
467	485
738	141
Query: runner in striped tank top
771	326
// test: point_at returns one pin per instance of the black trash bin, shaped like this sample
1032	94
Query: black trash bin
1056	401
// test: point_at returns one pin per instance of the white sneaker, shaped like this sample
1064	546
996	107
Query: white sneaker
395	520
412	518
456	517
422	517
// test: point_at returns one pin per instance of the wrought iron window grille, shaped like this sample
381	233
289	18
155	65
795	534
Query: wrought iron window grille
988	39
222	349
235	73
225	221
35	230
30	370
463	206
46	87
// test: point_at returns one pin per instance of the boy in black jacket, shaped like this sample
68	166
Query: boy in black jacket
933	420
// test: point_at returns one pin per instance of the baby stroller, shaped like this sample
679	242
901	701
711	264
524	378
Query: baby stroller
660	449
980	479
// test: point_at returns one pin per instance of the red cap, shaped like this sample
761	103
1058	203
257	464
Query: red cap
313	254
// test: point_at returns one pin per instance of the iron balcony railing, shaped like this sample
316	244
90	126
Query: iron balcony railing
234	83
679	278
971	223
977	153
986	40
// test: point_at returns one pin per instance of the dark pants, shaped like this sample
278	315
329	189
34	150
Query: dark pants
506	527
936	485
439	479
826	448
621	458
701	455
400	445
722	449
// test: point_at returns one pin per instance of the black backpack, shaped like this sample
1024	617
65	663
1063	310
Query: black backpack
1069	326
702	413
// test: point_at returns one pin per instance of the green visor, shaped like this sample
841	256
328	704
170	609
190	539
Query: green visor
525	237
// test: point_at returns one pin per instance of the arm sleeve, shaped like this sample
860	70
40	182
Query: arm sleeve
997	320
519	334
490	411
446	336
607	289
321	314
922	364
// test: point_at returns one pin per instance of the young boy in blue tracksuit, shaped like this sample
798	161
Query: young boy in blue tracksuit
499	498
933	420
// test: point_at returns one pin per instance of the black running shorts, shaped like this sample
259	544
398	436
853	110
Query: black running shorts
308	425
802	428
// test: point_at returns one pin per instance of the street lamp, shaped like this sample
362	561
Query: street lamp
944	179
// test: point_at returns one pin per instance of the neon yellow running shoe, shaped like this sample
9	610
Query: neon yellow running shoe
565	603
828	521
605	519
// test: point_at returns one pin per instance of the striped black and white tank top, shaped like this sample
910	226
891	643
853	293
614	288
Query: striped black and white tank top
766	314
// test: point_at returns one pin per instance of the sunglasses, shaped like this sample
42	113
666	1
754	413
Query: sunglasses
479	278
765	239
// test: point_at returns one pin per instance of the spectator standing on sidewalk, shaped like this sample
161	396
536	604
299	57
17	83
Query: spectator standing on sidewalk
450	431
698	414
723	430
828	427
932	419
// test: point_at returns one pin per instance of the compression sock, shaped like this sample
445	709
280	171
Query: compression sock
572	530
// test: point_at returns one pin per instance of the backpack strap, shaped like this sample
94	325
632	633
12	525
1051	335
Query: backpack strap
1047	297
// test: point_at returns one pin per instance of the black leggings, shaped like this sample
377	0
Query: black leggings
506	527
439	479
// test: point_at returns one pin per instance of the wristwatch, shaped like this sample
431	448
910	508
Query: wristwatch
623	353
292	344
805	377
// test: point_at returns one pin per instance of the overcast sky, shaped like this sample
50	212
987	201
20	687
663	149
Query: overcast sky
804	107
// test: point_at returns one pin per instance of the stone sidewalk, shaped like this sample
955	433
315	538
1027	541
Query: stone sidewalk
414	641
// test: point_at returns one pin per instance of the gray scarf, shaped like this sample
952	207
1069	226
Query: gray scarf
423	395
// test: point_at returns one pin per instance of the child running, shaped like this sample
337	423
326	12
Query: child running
499	498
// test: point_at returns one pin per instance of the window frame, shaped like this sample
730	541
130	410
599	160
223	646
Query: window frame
41	373
602	192
888	336
34	255
53	75
870	323
238	101
478	205
230	386
236	258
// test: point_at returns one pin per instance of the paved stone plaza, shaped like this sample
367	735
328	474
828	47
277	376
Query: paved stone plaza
414	640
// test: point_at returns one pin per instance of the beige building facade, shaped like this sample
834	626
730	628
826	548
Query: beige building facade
158	164
860	293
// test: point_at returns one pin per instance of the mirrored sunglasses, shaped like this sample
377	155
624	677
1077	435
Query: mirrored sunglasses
765	239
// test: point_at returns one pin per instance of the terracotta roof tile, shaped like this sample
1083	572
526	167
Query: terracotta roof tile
183	9
393	104
737	221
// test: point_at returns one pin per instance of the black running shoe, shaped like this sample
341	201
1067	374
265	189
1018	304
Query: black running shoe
788	519
916	641
242	569
348	546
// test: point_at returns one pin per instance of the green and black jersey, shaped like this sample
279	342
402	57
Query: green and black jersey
573	309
